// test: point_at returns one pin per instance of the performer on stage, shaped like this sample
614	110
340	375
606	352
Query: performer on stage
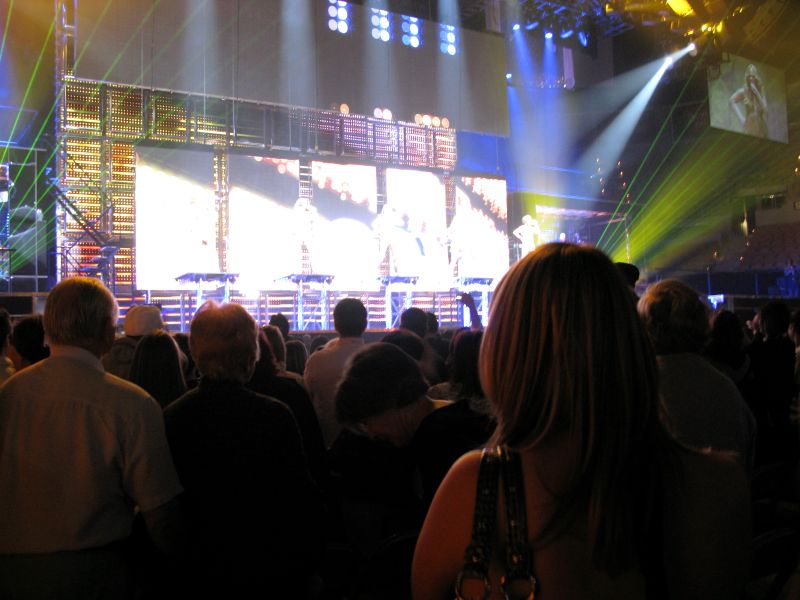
6	185
528	235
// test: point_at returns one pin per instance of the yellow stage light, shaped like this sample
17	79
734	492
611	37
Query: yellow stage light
682	8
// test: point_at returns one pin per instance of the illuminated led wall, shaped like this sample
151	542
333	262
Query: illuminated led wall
174	186
341	215
263	244
478	233
101	125
412	227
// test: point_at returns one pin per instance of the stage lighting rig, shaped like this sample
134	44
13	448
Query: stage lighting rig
574	23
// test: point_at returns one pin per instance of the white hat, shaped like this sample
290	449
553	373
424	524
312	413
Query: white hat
142	319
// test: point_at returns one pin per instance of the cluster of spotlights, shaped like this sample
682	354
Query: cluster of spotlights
431	121
381	25
448	40
382	113
338	16
412	31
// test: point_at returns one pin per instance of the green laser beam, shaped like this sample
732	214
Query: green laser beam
649	151
27	92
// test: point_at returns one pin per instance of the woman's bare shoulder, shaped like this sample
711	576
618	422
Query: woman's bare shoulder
447	530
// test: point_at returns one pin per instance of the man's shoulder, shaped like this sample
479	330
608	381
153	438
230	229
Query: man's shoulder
53	379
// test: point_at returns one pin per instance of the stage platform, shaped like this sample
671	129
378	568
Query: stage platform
313	310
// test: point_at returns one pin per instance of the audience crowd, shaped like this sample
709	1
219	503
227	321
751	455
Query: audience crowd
583	446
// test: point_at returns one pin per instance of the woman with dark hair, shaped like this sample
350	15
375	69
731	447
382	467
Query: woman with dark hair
296	356
190	373
462	366
462	426
156	367
603	503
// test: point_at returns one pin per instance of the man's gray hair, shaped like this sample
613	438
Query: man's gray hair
78	312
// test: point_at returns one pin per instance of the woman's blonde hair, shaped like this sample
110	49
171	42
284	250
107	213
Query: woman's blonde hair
565	356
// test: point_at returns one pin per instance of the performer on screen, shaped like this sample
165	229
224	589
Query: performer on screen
528	235
751	96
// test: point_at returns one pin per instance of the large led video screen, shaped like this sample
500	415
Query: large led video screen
478	232
176	216
343	243
274	233
412	228
748	97
265	222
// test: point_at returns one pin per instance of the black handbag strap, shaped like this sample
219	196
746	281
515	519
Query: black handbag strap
519	568
518	581
478	555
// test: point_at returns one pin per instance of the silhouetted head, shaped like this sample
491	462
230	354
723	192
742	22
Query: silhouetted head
350	317
675	318
224	342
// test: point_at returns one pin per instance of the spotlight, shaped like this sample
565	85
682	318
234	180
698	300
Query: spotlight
508	76
387	114
377	113
692	49
339	13
566	33
532	25
515	27
548	35
668	61
426	120
445	122
418	119
436	121
344	109
583	38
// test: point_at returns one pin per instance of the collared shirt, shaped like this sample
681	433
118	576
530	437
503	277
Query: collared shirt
79	448
324	369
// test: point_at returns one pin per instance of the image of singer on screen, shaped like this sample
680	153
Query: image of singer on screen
749	103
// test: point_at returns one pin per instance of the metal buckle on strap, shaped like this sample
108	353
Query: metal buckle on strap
467	575
530	580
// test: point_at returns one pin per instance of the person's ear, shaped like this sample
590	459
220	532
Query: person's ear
108	335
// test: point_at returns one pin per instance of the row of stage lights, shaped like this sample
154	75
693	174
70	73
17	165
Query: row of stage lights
564	33
669	60
419	118
383	23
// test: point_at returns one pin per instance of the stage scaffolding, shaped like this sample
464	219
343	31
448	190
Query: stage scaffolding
98	124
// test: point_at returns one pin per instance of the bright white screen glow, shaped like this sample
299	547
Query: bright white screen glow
344	245
264	232
273	233
478	232
412	228
176	217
